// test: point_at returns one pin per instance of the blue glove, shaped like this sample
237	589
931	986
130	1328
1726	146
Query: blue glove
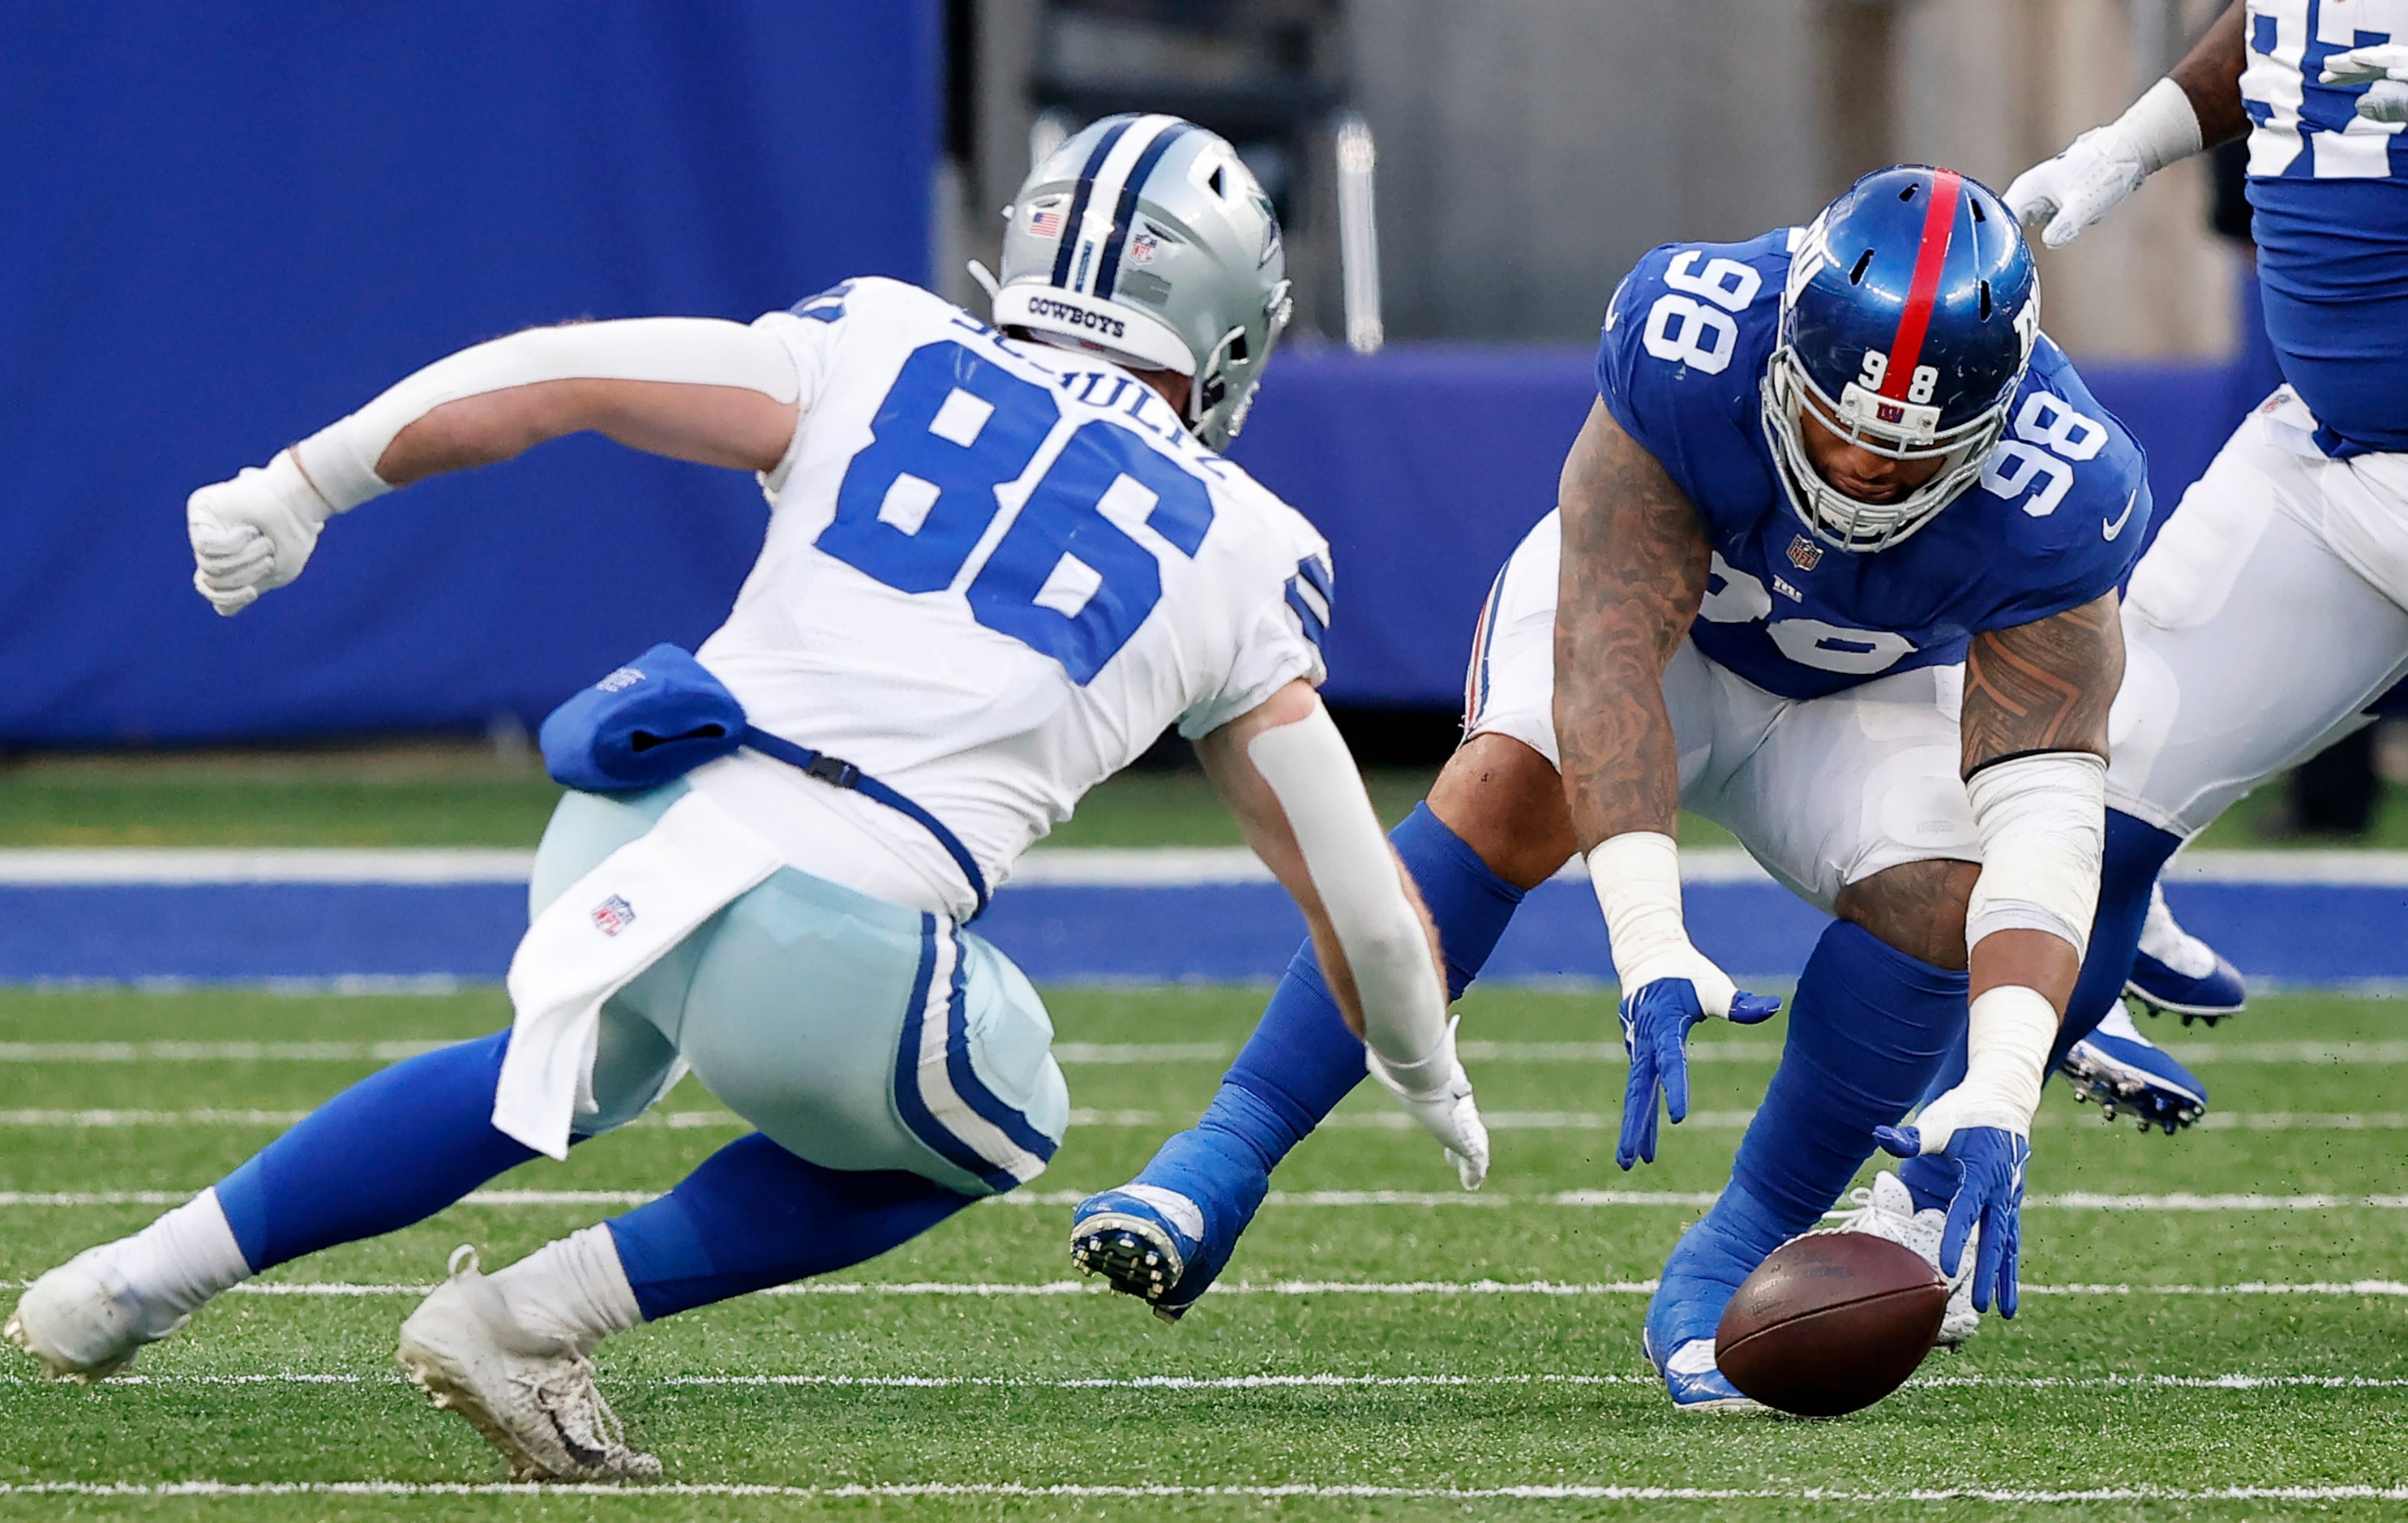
1655	1024
1990	1194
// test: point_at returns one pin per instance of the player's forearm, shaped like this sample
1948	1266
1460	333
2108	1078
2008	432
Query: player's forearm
693	388
2037	699
2210	76
1633	574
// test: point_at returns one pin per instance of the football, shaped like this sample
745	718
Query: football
1831	1323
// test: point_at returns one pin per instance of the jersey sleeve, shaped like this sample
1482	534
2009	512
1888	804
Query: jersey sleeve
810	331
1279	644
1683	345
1635	388
2072	489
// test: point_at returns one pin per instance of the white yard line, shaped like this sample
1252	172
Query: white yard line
1085	1054
85	866
1051	1290
1156	867
2237	1382
1583	1121
1299	1490
1690	1199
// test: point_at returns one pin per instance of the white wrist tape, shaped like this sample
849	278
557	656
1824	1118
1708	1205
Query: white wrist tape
342	458
2006	1057
2162	126
1361	886
2042	821
1637	876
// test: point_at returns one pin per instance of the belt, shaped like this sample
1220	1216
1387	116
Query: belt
839	773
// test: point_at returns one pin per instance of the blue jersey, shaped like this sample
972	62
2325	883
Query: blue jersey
2056	519
2330	194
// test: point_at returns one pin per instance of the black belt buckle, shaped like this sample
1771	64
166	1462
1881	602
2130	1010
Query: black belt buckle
834	770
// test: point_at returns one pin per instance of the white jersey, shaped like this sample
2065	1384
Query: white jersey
995	572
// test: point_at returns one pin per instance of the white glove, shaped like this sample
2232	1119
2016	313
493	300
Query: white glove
2105	164
2382	69
1437	1093
254	533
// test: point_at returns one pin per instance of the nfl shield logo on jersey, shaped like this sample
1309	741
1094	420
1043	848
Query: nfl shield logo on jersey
613	915
1805	554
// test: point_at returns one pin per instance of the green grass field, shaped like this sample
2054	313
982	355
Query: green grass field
445	794
1359	1341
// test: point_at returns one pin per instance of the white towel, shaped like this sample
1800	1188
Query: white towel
593	940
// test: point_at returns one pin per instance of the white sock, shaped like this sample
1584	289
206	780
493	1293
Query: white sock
183	1258
2163	938
574	1289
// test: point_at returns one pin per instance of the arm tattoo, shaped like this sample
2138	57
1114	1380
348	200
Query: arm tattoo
2045	685
1634	571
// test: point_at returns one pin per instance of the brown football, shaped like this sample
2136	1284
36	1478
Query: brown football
1831	1323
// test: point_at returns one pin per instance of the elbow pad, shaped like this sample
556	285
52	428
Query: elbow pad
342	458
2042	820
1361	886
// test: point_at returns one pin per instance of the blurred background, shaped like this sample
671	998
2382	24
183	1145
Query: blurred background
221	227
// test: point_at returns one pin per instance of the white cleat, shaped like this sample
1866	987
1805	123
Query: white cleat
1888	1211
84	1321
533	1397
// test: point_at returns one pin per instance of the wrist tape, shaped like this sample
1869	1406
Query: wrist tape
1637	876
2162	126
2010	1031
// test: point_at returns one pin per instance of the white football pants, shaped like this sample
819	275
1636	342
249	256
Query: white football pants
2264	619
1824	792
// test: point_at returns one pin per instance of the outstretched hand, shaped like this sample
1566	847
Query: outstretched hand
1990	1163
1656	1023
1437	1093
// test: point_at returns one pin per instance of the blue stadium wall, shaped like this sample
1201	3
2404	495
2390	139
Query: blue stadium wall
221	227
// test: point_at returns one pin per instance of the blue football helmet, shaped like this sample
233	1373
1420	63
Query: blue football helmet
1907	322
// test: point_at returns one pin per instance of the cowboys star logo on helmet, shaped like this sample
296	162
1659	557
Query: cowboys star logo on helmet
1197	287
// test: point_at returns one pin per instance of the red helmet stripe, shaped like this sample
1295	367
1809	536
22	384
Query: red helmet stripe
1938	221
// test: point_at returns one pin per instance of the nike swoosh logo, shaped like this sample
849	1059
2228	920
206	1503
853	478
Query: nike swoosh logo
2108	531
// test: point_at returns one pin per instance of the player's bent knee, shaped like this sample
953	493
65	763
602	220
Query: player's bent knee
1506	801
1917	908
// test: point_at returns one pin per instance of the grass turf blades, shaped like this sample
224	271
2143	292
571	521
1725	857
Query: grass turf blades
1297	1401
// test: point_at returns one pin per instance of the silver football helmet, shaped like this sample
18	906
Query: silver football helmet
1145	238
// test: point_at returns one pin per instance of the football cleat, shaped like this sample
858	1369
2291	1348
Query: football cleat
2176	971
532	1397
1141	1238
84	1321
1695	1383
1888	1211
2128	1075
1165	1236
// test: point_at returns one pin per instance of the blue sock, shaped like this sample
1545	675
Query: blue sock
1866	1028
754	1215
2136	853
1301	1060
394	1149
